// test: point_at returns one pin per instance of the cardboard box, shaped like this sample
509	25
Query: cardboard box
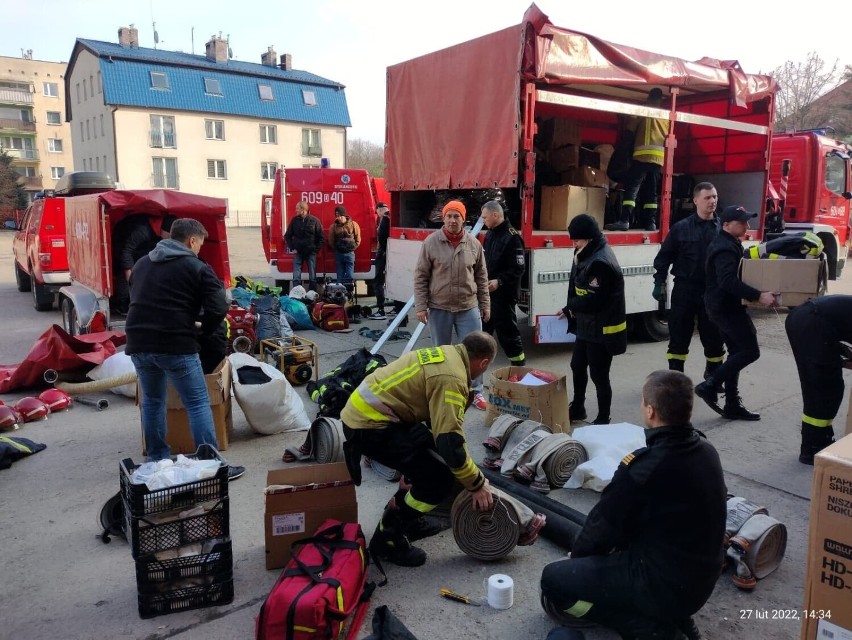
564	158
546	403
305	498
586	176
559	205
797	280
828	581
178	434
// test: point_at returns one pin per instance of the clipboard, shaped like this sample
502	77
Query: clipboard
551	329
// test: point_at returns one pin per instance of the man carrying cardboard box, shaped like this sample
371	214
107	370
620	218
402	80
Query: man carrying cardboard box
815	330
723	297
408	416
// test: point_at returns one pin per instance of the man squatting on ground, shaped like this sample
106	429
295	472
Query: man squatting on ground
408	416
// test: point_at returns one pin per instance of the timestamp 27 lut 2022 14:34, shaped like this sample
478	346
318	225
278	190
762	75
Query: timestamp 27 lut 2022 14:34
785	614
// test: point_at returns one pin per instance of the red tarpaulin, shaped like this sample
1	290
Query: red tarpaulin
56	349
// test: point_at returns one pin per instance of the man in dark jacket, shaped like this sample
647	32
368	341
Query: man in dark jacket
382	235
132	238
651	550
685	251
815	330
596	314
170	288
304	238
723	298
504	260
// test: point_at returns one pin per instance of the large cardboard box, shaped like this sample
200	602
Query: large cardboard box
828	582
586	176
299	500
178	434
797	280
546	403
559	205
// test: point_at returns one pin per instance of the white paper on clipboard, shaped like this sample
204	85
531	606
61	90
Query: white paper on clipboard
551	329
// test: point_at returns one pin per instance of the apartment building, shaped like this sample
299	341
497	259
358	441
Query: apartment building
204	124
33	130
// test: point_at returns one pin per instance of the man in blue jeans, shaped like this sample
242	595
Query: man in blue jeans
304	237
170	288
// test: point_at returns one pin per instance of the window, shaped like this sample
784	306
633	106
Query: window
50	89
214	129
54	145
85	91
94	128
88	130
105	164
85	164
54	117
265	92
159	80
212	87
309	97
26	172
82	134
26	116
162	132
267	170
91	87
78	93
57	172
268	134
100	83
216	169
165	173
835	173
97	164
311	145
102	124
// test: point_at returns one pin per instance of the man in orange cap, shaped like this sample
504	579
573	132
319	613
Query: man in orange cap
451	284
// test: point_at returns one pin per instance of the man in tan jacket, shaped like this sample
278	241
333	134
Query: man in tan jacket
451	284
344	236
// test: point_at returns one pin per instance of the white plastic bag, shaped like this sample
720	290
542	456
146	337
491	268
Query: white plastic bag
118	364
606	444
272	406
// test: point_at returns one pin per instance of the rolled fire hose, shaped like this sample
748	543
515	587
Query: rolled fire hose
386	473
485	535
759	544
563	523
739	511
515	435
324	443
76	388
552	462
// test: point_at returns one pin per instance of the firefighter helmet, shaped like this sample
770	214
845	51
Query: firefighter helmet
31	409
9	419
55	399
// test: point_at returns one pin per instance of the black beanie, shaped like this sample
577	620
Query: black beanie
584	227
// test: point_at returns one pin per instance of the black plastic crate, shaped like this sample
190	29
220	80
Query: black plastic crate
146	536
156	576
211	595
140	501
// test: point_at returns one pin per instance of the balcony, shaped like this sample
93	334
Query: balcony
22	154
14	96
12	124
31	183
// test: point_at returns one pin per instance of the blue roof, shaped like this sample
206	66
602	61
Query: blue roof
126	75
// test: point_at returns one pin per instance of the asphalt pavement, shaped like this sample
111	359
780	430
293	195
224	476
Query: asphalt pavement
58	580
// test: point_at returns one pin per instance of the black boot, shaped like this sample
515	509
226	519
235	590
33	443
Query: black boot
710	369
577	411
734	409
676	365
707	391
389	543
814	440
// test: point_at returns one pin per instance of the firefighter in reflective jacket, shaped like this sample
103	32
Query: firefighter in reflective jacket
408	416
504	260
596	314
815	330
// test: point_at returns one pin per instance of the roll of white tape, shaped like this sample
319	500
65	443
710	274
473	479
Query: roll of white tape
500	591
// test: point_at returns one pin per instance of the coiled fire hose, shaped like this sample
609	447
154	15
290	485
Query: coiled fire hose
386	473
486	535
757	549
551	462
506	434
324	443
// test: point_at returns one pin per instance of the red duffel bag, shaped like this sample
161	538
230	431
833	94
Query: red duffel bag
322	586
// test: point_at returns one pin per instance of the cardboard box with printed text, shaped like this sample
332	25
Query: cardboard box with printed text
546	403
299	499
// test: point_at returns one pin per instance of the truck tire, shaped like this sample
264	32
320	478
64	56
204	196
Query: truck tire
42	297
69	317
22	278
652	326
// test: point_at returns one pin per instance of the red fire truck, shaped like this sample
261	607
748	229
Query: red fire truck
323	190
89	221
536	92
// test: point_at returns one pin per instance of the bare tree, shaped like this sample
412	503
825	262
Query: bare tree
363	154
12	195
801	84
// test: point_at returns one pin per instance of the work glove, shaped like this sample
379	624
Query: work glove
659	293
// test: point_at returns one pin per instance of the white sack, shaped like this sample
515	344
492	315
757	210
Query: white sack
118	364
606	444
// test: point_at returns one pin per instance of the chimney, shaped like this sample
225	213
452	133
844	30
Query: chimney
268	59
286	61
217	49
128	37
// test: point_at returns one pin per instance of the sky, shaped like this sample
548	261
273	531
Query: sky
354	41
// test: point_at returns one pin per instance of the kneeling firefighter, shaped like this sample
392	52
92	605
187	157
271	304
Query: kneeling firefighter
408	416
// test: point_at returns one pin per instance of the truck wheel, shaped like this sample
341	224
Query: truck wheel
831	261
22	278
652	326
42	297
69	318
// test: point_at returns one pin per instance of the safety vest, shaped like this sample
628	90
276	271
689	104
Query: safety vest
650	140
